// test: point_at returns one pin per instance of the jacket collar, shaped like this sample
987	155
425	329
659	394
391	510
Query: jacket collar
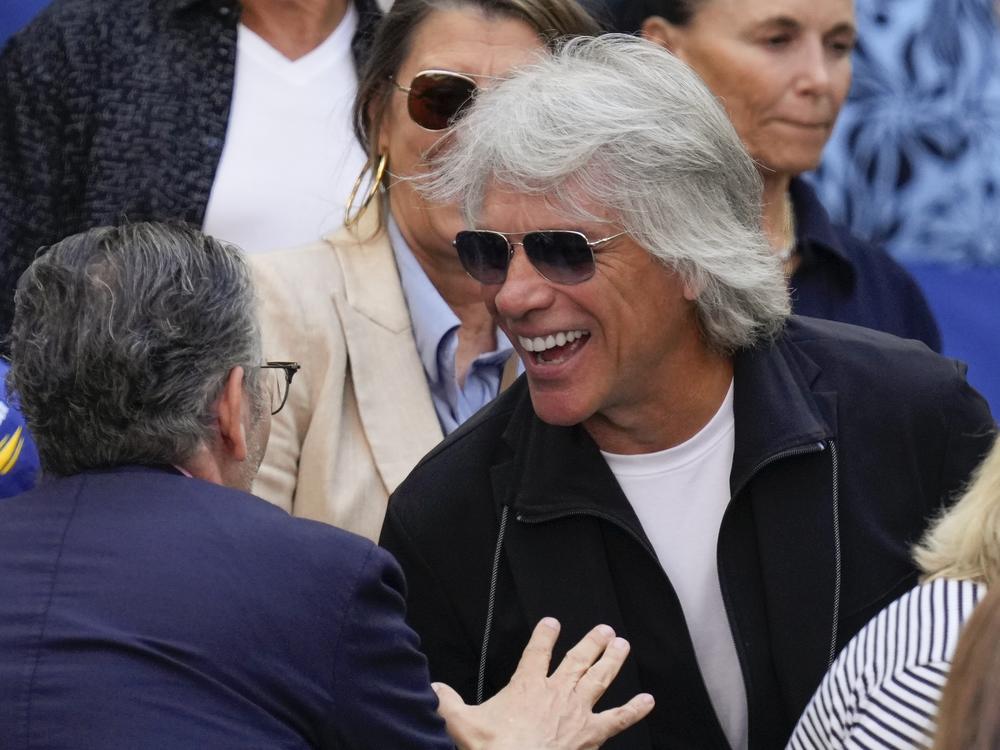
775	405
368	263
375	321
815	235
553	470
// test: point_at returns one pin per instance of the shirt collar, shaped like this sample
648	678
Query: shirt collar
431	317
815	234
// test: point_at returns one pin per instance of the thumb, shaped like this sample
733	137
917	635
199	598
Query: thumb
455	713
450	703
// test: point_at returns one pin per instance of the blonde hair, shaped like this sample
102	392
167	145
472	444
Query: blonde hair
964	542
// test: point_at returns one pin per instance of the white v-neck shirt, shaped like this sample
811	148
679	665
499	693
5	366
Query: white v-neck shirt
680	496
290	156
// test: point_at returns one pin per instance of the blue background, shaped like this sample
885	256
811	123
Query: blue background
919	140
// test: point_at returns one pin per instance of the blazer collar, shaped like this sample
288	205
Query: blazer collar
401	426
367	263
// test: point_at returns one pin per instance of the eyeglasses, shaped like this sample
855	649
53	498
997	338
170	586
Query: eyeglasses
278	382
436	98
560	255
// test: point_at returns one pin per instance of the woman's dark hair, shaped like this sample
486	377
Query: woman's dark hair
626	16
552	19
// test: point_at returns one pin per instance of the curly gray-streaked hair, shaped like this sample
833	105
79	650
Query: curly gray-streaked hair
122	340
621	123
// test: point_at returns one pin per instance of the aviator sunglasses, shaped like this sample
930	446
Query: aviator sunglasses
560	255
436	98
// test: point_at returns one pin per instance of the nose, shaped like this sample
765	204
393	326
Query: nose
524	290
814	74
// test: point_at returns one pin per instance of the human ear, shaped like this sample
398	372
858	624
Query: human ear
658	29
229	413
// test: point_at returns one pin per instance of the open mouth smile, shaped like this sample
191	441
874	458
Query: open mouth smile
554	348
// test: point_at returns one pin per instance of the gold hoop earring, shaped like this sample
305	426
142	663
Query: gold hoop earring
351	220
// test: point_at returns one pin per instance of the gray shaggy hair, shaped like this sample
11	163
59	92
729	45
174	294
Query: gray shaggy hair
618	122
122	340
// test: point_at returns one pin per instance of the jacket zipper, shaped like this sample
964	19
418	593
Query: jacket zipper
837	555
801	450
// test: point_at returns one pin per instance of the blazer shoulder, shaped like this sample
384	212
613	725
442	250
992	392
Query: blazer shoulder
297	270
67	28
262	526
883	273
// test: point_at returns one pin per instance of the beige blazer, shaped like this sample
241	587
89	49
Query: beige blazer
359	414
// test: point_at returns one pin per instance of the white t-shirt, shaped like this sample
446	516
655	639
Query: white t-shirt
290	156
680	496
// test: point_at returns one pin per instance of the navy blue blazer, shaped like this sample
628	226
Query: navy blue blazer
143	609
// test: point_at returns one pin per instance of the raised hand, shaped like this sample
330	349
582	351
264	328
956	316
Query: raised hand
536	711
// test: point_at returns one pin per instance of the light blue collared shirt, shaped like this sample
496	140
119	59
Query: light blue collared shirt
435	330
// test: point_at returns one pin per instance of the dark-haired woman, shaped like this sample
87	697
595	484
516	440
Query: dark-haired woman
396	346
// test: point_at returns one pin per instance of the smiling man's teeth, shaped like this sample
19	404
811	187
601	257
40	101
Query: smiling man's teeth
540	344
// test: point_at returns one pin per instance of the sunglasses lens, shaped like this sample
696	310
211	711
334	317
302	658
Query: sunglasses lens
437	99
560	256
484	255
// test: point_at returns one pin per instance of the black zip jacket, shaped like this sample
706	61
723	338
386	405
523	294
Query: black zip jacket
847	440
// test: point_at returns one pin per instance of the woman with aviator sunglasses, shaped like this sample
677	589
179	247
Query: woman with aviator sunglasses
396	346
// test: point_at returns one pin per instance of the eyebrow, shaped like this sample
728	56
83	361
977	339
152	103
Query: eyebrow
787	23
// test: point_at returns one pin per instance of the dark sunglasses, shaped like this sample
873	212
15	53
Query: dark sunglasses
560	255
436	98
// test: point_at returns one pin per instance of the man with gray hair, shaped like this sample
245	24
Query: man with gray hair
732	487
147	601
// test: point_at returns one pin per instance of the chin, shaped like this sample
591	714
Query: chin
558	409
793	159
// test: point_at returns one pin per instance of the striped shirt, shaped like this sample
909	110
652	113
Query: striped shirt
884	687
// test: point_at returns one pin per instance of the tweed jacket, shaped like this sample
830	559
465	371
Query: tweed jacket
846	440
114	110
359	414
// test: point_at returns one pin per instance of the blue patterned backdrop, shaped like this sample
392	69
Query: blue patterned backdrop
914	162
915	159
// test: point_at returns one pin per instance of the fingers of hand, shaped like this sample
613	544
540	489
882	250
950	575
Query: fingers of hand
595	680
579	658
538	653
608	723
